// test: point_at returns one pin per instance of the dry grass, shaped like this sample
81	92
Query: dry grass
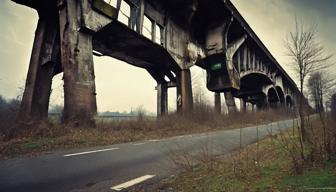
47	136
203	172
268	165
319	147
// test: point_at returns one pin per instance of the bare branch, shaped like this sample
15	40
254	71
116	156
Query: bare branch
305	51
307	56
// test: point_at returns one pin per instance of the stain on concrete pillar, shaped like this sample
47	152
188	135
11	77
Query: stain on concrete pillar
230	102
76	55
184	91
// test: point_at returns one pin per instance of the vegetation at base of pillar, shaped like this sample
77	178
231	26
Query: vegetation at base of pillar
307	55
8	114
32	139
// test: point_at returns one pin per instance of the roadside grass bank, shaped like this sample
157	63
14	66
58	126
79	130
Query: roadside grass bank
48	136
271	164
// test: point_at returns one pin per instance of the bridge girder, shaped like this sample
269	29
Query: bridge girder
182	33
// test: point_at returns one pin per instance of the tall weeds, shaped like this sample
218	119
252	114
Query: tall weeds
319	147
142	127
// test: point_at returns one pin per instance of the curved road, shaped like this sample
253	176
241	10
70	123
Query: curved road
105	168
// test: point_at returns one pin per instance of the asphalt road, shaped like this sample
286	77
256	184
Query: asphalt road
100	168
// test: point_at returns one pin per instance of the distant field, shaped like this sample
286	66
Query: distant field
104	118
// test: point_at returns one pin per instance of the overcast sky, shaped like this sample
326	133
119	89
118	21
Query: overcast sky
120	86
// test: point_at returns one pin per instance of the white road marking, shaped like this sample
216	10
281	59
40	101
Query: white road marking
136	144
153	140
88	152
132	182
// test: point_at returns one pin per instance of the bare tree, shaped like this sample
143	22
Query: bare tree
333	105
141	113
3	102
307	56
199	93
319	85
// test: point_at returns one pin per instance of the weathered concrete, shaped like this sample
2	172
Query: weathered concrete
45	55
230	102
218	105
162	99
77	59
242	105
177	35
225	77
184	91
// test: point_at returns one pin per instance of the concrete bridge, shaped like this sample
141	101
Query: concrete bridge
166	38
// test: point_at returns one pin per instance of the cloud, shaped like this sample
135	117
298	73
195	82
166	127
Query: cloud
321	7
15	38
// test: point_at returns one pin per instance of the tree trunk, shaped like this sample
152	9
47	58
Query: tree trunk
301	114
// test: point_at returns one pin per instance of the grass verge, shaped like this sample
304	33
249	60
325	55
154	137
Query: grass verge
48	136
264	166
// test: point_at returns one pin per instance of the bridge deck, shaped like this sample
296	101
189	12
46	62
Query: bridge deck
118	41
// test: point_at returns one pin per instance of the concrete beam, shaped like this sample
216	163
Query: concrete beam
76	56
234	46
239	61
245	59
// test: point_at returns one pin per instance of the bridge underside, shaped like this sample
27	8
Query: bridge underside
116	40
210	34
251	89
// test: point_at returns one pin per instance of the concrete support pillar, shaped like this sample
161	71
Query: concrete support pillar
242	105
184	91
261	105
230	102
76	55
140	16
45	55
162	99
218	103
267	103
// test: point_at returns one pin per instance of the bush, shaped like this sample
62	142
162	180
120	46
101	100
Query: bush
8	114
319	148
